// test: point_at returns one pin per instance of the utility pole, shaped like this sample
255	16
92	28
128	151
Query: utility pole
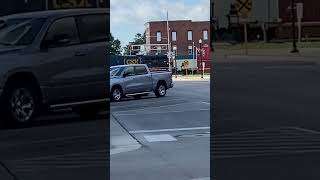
169	46
200	45
294	43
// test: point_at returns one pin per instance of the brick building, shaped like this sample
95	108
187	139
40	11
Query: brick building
184	37
182	34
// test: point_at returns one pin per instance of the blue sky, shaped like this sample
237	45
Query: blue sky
129	16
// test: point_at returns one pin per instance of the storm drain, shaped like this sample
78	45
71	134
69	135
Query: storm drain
265	142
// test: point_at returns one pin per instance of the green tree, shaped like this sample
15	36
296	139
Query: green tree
114	46
139	39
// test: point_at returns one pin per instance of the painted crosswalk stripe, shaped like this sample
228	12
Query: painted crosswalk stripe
160	138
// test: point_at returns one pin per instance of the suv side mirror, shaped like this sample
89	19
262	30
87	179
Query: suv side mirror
57	40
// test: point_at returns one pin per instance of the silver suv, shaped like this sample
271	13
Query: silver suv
53	59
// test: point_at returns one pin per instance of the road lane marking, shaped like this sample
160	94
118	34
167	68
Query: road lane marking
157	107
205	102
165	112
204	178
120	105
160	138
53	140
305	130
169	130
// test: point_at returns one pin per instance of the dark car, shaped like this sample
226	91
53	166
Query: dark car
53	59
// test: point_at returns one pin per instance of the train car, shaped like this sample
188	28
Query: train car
20	6
155	63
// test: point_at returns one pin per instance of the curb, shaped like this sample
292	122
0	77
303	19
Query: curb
186	79
198	80
120	140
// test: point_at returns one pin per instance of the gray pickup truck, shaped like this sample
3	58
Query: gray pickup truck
53	59
137	80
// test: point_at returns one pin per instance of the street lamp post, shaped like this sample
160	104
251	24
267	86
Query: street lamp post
294	44
200	44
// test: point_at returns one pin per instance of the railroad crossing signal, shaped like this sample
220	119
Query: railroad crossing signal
244	7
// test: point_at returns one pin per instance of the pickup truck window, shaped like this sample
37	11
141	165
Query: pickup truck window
66	26
129	71
116	71
140	70
93	28
20	31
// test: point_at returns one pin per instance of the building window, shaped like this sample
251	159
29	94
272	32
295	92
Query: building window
158	36
174	36
205	35
189	35
190	50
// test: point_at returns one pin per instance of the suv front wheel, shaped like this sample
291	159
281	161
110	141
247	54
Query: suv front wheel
21	104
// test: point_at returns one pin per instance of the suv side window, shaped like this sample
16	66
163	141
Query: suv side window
64	26
140	70
130	71
93	28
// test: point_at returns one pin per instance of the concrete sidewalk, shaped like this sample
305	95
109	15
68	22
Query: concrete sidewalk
120	139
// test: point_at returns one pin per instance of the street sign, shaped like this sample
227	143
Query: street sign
186	63
244	7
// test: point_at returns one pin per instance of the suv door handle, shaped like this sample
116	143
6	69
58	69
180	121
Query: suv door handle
80	53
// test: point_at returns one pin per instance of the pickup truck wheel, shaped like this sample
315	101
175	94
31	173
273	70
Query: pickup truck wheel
21	104
116	94
161	90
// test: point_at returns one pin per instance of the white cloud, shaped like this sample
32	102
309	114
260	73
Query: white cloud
129	16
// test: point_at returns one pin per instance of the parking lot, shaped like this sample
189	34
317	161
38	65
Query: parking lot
173	131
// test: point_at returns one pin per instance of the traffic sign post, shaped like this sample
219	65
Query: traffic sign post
203	66
299	16
186	64
246	38
244	8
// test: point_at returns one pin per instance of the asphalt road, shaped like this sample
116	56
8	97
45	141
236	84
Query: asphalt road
59	146
174	133
265	115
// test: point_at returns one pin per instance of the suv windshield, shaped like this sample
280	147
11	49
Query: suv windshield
20	31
